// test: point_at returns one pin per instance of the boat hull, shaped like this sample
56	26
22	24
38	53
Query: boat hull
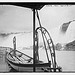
26	67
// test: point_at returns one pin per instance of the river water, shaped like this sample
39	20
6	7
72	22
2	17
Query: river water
3	65
65	59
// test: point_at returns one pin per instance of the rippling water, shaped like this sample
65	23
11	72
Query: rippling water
3	65
65	59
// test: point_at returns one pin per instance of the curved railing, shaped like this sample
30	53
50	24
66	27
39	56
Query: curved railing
47	39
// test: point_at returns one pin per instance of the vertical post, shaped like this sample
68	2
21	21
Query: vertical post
37	54
54	59
34	40
14	44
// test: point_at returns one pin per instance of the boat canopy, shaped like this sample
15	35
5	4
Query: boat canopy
34	5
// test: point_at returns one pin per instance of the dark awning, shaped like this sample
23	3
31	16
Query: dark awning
33	5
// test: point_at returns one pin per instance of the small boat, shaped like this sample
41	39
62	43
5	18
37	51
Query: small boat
24	63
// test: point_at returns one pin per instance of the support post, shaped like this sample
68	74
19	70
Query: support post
14	44
34	40
37	54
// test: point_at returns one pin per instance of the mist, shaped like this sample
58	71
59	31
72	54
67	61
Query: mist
18	19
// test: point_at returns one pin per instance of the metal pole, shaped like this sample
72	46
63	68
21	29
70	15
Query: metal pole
14	44
34	40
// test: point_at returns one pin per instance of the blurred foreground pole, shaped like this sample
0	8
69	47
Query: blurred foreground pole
34	40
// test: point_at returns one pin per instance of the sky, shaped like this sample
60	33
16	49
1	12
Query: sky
15	18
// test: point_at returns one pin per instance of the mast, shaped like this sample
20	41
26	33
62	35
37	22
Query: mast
34	40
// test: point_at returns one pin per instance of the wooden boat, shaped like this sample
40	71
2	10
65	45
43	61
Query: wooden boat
24	63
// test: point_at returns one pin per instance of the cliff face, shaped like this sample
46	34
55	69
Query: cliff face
70	46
